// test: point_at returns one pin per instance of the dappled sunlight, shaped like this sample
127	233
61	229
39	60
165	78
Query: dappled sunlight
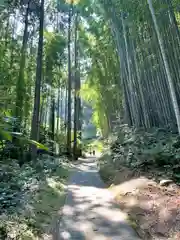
129	183
65	235
87	166
153	207
90	212
54	184
68	210
111	213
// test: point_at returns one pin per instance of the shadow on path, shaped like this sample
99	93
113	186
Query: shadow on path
89	212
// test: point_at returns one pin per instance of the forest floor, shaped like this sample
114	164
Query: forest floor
31	199
90	211
153	207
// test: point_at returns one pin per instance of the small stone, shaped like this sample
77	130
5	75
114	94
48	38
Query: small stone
95	229
165	182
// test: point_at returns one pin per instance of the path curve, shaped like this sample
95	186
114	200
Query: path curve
89	212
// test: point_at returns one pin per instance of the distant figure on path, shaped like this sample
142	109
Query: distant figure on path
94	152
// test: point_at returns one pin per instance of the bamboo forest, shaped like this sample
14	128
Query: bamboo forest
90	108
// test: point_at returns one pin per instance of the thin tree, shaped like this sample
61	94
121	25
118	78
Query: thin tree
36	109
20	86
166	65
69	84
75	87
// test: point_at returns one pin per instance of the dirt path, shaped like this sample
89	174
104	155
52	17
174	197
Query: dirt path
89	212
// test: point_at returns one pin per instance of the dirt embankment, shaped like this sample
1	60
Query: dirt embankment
153	207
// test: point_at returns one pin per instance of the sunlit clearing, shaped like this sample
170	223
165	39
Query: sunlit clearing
72	1
68	211
111	214
53	184
66	235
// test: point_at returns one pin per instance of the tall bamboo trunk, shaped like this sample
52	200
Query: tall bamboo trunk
58	110
127	112
79	117
42	111
35	117
129	75
167	68
61	107
65	108
173	19
69	86
75	89
52	119
20	86
46	111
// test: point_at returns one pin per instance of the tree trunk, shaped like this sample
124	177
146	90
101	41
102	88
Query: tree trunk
75	89
52	119
46	111
20	86
65	108
35	117
58	109
42	110
167	68
69	86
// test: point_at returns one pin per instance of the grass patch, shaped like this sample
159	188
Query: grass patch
132	222
41	207
106	169
98	145
46	206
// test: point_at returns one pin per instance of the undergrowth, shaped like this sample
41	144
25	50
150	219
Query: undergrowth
155	153
139	156
31	197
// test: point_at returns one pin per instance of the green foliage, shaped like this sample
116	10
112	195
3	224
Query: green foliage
27	195
12	184
123	76
101	88
106	168
97	145
3	3
54	49
156	150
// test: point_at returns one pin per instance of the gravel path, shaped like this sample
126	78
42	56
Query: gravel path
89	212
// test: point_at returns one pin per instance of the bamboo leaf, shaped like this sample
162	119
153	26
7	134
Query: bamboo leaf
5	135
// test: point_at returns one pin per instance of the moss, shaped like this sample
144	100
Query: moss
132	222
